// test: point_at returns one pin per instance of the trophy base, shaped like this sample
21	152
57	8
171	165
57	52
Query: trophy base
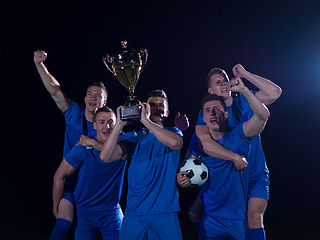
130	112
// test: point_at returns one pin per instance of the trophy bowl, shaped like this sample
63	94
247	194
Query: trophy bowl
127	66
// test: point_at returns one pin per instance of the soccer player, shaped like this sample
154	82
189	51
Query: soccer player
225	193
98	191
239	111
152	199
79	122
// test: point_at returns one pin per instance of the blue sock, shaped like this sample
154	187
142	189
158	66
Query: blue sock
256	234
61	229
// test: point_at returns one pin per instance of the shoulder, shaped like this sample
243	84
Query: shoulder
237	133
127	136
78	149
73	108
74	113
175	130
76	155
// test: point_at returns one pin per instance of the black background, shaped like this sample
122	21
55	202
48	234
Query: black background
279	40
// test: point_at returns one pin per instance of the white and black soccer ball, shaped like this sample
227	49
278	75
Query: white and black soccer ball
198	172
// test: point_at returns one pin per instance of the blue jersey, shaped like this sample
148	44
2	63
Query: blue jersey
74	116
99	183
151	175
226	191
240	112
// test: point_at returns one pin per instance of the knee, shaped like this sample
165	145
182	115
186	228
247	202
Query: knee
256	211
254	215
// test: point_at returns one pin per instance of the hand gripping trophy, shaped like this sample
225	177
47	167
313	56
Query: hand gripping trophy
127	66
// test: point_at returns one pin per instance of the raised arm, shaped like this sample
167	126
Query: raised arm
167	137
256	123
268	91
111	150
181	121
64	170
50	83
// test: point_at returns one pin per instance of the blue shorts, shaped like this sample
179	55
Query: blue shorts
107	222
215	228
68	195
154	226
259	188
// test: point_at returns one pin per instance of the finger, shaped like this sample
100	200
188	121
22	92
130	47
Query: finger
183	173
178	114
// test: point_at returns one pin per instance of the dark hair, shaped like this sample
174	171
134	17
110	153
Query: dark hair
212	97
216	71
102	109
158	93
101	85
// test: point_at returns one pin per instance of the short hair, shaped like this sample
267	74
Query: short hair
216	71
102	109
211	97
99	84
158	93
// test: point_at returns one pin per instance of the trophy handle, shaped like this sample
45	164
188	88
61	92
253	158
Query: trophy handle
144	57
106	60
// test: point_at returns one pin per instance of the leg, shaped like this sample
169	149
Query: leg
213	228
256	209
164	226
64	220
65	210
195	212
133	228
110	225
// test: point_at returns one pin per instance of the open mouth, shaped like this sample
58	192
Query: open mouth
223	90
213	120
107	133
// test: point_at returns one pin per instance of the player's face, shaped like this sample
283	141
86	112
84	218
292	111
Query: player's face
214	114
219	85
158	108
95	98
104	123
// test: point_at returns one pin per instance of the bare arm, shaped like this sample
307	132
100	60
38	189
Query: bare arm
50	83
87	141
268	91
111	150
64	170
214	149
168	138
256	123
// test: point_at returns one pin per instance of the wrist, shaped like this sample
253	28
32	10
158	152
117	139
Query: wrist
118	127
236	158
244	91
145	121
246	74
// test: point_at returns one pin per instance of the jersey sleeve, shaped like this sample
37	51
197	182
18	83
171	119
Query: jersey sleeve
130	140
241	110
240	140
175	130
200	119
76	156
73	114
194	145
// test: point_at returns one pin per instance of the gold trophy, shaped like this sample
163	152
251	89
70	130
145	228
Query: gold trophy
127	67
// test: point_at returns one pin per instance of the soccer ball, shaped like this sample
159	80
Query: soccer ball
198	171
